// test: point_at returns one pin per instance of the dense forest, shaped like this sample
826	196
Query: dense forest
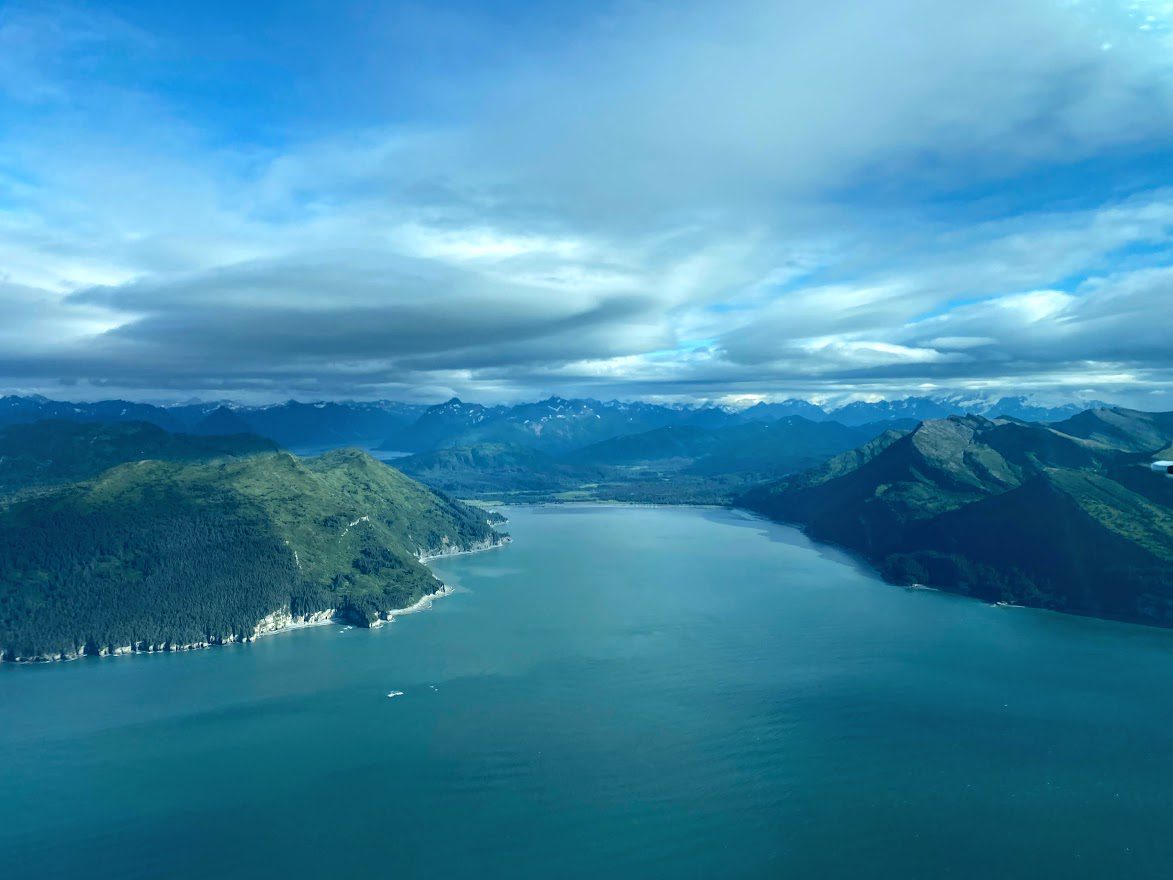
1067	516
169	569
170	553
57	451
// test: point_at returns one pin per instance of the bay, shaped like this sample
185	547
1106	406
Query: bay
636	692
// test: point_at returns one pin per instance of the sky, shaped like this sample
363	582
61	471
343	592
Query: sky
725	201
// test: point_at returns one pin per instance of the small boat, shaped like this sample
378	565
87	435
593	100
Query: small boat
394	694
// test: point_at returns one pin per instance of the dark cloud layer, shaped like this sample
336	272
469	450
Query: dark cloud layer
746	198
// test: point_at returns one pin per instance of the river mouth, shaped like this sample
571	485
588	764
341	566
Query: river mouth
623	690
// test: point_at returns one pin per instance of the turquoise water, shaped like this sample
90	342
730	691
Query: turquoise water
623	692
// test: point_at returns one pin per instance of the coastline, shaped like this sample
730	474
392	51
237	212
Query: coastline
504	540
872	565
318	618
275	622
423	603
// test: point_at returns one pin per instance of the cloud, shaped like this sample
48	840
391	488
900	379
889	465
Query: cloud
745	196
1111	320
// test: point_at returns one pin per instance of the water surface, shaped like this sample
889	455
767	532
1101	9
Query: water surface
626	692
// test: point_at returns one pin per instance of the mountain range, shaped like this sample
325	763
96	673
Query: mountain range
118	533
681	463
291	424
555	425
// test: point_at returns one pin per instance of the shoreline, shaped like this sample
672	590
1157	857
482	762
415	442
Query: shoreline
272	623
315	619
425	558
597	502
423	603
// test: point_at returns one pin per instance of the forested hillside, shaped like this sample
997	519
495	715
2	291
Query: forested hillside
1066	516
165	554
55	451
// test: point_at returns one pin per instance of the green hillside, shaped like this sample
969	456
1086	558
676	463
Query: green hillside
52	452
1004	510
166	554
